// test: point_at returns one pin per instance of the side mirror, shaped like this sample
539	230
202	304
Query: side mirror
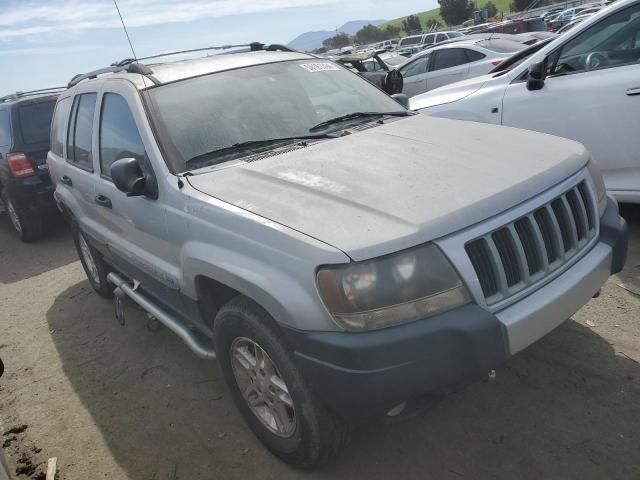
128	177
537	74
402	99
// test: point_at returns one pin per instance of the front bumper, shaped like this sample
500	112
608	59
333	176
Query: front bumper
368	373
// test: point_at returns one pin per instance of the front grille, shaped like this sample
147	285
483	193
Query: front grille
523	252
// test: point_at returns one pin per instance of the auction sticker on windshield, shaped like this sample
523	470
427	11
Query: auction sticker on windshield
319	67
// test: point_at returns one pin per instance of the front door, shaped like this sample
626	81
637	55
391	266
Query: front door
415	76
134	229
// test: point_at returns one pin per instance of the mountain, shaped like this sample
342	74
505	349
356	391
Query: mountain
312	40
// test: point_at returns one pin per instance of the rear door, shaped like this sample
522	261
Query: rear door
448	65
77	174
597	106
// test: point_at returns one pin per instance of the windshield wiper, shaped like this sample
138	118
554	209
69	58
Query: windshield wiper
248	145
349	116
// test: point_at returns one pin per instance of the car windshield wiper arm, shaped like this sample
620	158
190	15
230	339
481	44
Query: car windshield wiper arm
349	116
248	144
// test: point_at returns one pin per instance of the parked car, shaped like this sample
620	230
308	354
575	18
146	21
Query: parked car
425	39
531	38
517	25
26	191
450	63
370	66
584	86
576	21
237	198
387	45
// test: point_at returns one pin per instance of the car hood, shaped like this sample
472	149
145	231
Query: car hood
449	93
396	185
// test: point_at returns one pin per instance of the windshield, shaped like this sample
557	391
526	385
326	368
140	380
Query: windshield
278	100
35	121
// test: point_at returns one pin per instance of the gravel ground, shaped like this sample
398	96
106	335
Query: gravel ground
133	403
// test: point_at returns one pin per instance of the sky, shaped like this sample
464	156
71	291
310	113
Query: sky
43	43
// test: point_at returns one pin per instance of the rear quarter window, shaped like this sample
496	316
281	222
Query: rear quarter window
5	128
59	121
35	121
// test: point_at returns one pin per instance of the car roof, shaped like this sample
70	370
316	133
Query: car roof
167	72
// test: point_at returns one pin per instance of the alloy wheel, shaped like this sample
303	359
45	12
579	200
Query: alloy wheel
262	387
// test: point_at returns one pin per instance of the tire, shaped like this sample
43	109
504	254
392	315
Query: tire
27	227
317	434
94	266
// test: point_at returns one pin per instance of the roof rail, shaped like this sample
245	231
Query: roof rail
253	47
132	65
31	93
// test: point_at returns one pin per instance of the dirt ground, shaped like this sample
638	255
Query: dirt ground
134	403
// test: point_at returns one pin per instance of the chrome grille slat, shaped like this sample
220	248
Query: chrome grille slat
573	229
557	231
525	271
515	256
497	265
539	242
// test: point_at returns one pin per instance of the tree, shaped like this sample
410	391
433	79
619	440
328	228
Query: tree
370	34
454	12
492	10
392	31
520	5
432	24
337	41
412	25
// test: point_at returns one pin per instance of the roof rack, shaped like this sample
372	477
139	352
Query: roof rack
30	93
132	65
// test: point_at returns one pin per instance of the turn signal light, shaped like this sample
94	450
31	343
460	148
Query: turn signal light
20	165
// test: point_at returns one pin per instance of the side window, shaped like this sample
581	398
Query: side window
59	120
417	67
612	42
450	57
5	128
441	37
81	130
473	56
119	136
428	39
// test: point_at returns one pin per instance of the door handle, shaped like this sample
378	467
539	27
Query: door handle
66	180
633	91
103	201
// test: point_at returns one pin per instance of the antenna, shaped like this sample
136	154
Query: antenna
124	27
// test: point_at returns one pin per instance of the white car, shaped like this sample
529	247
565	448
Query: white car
584	86
453	62
427	39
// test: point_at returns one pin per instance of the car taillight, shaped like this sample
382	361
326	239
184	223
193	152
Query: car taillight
497	61
20	165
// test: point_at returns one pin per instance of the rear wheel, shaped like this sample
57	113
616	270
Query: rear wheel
27	227
94	266
269	391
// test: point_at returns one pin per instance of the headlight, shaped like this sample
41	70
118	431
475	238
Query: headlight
390	290
598	182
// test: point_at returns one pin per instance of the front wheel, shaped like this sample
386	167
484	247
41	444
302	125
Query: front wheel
268	389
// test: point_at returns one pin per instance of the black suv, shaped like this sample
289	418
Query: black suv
25	187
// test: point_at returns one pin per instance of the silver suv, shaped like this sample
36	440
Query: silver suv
283	215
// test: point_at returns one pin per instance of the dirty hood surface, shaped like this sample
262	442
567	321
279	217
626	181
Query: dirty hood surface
399	184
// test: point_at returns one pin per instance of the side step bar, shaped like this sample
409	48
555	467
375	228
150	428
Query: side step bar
163	317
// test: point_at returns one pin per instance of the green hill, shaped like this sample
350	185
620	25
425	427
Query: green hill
503	6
